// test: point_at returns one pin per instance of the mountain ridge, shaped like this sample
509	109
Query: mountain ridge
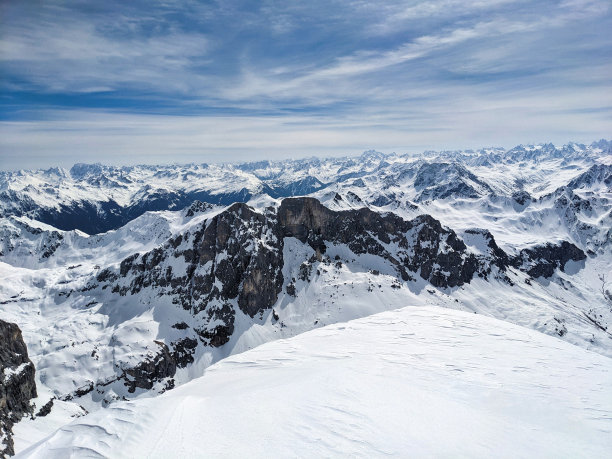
108	197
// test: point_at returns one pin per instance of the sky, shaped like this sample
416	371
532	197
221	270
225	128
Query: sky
214	81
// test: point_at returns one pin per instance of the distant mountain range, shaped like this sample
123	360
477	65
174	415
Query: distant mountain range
95	198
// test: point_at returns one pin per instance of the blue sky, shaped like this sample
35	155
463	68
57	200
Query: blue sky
231	80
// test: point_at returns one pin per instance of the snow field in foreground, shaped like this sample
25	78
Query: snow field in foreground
419	381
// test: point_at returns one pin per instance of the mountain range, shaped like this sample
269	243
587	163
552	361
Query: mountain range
126	282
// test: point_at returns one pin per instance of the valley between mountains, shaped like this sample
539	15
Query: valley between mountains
136	290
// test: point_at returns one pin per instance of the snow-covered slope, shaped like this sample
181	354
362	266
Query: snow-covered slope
523	235
29	243
426	382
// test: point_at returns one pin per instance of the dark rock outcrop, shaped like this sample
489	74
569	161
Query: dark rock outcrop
45	409
233	257
543	260
521	197
17	384
157	367
197	207
490	253
424	245
183	350
221	325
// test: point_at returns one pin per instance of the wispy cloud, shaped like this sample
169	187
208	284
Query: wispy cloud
56	49
65	137
352	74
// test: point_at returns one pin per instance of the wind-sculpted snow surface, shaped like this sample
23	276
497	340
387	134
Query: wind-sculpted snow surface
522	235
420	381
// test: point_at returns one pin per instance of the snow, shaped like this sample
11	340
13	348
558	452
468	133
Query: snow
8	373
86	336
76	335
540	174
426	381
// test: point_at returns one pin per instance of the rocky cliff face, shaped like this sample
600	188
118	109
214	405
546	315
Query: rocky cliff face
17	385
234	260
421	245
232	264
543	260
